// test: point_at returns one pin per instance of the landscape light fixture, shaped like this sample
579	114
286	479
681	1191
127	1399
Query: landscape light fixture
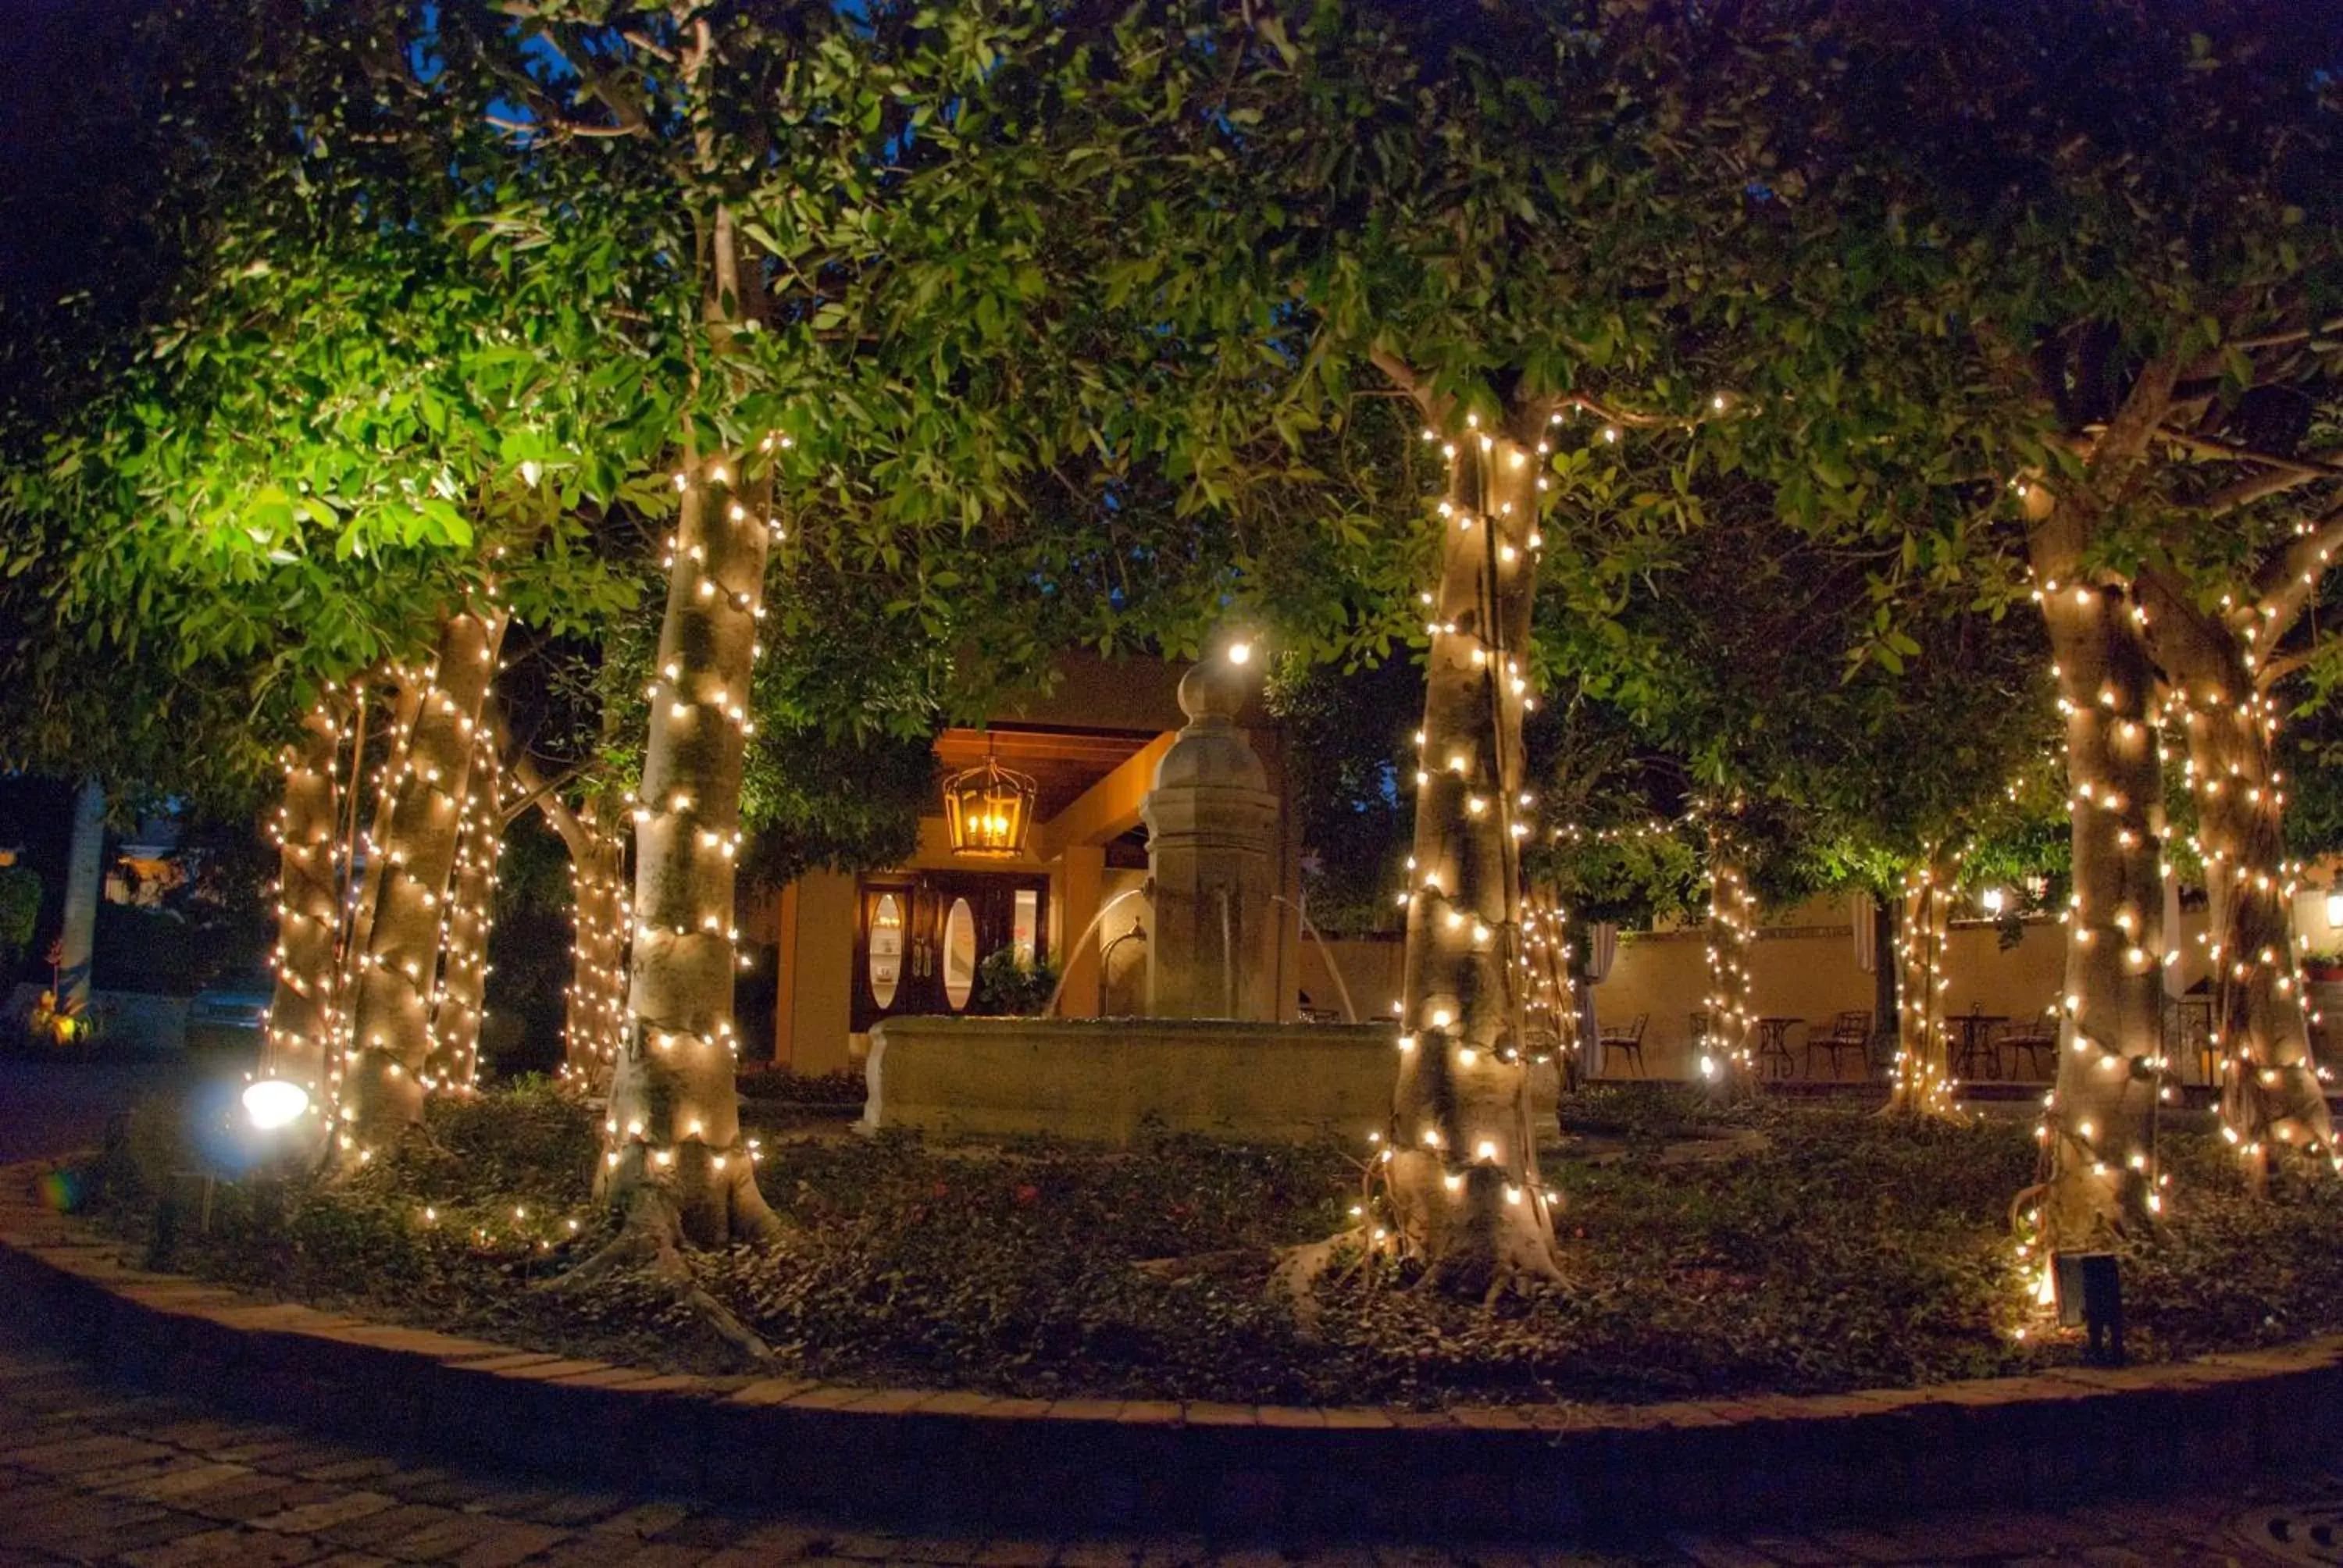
275	1102
1992	901
2090	1297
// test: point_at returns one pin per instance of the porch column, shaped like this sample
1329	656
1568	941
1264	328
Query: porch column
1079	873
818	926
785	977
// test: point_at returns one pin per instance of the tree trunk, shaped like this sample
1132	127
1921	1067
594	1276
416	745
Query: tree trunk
458	1008
84	882
1462	1161
2101	1125
597	991
1727	1061
391	1014
1552	991
674	1117
1924	1077
2271	1092
595	1025
405	705
302	1022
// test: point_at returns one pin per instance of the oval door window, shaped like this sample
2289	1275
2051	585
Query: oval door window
886	951
959	954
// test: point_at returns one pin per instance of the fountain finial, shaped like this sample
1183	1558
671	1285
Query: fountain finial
1212	692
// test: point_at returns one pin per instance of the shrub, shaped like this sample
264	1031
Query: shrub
1813	1250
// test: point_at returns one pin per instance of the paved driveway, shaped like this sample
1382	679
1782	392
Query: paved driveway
51	1107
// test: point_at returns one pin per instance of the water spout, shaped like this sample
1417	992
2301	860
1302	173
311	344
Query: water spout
1088	931
1301	912
1137	933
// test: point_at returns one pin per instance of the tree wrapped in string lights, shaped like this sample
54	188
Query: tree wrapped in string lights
459	1006
1726	1059
1922	1083
2225	653
1462	1159
2100	1124
387	1059
304	1014
676	1156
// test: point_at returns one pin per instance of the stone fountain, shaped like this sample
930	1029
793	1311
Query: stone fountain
1211	1056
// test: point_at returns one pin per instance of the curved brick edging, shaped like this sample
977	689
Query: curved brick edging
921	1454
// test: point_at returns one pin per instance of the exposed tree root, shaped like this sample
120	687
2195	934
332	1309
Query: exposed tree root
336	1164
1190	1265
1509	1269
1922	1112
1295	1281
650	1240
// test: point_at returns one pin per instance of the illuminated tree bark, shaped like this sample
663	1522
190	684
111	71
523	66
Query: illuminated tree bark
405	705
675	1121
2271	1095
597	1014
391	1014
595	1025
458	1008
302	1021
1462	1161
1923	1085
1551	991
2099	1126
1732	926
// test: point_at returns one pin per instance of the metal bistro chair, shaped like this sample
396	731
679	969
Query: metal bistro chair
1628	1042
2188	1032
1849	1032
2039	1045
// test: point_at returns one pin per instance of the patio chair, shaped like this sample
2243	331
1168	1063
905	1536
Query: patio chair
1628	1042
1849	1031
2039	1046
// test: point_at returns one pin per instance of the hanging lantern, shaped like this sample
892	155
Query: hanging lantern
987	809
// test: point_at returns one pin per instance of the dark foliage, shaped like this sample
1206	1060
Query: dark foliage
1715	1250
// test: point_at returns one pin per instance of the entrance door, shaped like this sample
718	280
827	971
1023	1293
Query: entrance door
922	936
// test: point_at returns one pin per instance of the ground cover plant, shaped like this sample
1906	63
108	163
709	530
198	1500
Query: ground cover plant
1711	1249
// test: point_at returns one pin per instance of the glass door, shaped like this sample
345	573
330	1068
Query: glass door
920	938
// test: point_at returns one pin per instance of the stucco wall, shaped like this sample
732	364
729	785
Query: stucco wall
1370	966
1805	970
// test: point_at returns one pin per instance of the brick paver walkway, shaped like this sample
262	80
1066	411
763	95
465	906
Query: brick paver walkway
94	1472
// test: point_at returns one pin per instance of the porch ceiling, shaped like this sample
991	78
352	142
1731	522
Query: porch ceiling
1063	763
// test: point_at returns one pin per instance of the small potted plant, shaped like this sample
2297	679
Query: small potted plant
2324	967
1007	986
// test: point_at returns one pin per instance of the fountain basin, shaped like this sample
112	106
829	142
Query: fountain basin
1111	1080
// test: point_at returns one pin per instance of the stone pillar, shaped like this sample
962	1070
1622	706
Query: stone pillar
1212	853
84	861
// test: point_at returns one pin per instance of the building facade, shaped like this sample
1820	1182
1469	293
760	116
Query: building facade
855	948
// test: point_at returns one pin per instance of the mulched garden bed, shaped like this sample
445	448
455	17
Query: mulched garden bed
1796	1248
